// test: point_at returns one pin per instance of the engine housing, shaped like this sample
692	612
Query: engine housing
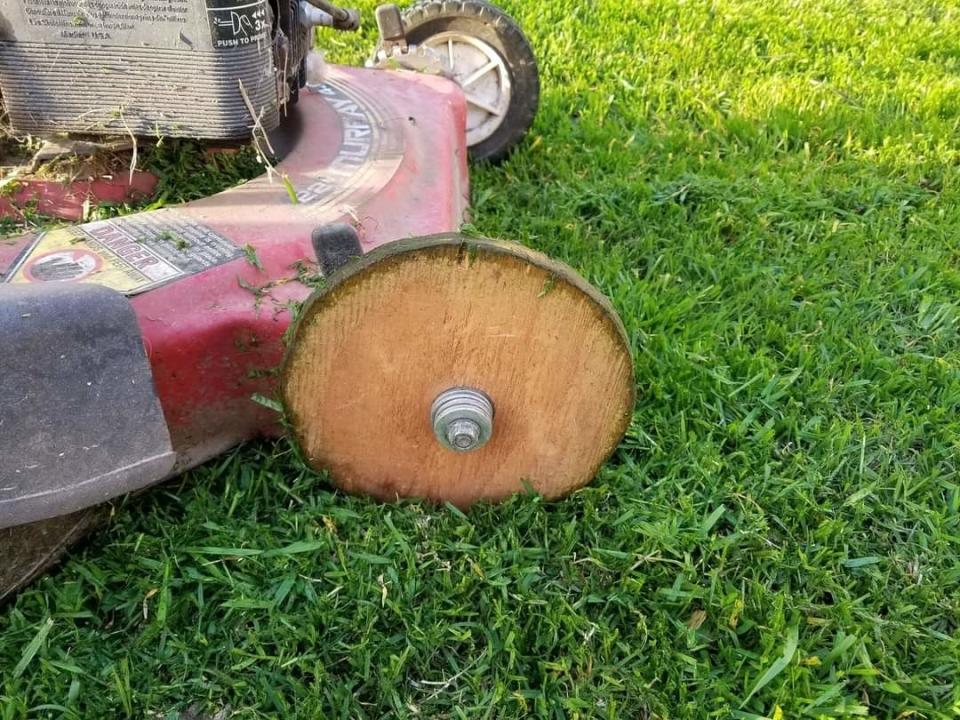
151	68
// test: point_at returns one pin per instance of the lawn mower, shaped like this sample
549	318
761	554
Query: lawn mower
332	298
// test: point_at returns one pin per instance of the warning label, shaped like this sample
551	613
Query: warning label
130	255
234	23
101	20
133	23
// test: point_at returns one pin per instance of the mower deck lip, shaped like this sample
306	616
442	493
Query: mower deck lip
26	509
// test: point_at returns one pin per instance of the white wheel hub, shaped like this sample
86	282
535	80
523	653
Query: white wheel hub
481	72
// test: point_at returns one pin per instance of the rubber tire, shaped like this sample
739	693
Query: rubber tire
488	23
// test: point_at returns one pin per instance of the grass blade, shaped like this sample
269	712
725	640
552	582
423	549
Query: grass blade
778	665
31	649
303	546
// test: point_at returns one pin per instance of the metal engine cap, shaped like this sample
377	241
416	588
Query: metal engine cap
462	419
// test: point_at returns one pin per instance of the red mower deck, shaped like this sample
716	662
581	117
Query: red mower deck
69	201
213	282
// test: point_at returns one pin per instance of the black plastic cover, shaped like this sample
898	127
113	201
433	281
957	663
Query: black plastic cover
335	245
80	421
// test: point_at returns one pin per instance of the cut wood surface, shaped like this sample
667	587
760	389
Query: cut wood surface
399	326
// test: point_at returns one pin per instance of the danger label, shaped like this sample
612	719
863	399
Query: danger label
130	255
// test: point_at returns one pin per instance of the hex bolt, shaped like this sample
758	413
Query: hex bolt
462	419
463	434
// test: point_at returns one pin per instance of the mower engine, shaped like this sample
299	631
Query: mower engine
209	69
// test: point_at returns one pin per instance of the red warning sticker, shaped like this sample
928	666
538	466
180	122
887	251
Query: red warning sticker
62	265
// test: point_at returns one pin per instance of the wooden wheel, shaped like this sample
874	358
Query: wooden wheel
458	369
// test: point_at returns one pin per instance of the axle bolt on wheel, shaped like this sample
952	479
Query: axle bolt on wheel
462	419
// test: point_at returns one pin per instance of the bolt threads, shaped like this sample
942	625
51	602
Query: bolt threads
462	419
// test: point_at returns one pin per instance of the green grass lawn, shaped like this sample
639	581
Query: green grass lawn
768	191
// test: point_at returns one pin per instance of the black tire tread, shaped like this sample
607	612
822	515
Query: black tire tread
522	109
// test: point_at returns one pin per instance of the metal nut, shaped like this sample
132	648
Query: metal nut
462	419
463	434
